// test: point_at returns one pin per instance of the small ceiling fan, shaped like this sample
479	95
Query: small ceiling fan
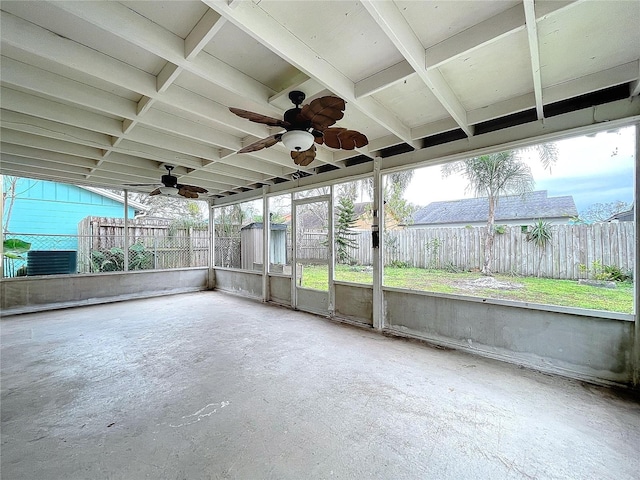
304	126
170	186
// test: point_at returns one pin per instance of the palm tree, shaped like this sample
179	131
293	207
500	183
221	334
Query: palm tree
493	176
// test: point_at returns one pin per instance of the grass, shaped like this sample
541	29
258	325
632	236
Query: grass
534	290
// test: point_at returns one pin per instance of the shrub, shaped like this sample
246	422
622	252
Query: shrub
399	264
611	273
112	260
451	267
540	233
615	273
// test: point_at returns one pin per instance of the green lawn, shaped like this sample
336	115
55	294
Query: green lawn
533	290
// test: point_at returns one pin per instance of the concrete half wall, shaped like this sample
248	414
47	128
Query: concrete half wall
354	302
280	290
248	284
580	346
39	293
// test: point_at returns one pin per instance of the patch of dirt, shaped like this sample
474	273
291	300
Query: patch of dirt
488	282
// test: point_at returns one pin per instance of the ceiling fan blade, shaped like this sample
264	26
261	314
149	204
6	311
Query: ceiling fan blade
155	192
143	184
324	112
191	188
269	141
344	139
187	193
258	118
305	157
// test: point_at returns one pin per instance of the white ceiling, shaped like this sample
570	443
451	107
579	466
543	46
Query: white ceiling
106	93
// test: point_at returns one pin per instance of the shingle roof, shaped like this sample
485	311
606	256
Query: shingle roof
512	207
626	216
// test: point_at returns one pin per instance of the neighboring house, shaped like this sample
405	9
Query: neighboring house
48	208
626	216
511	210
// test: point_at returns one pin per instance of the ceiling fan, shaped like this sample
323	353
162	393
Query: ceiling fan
170	186
305	125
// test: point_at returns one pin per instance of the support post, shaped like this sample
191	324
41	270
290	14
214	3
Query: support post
266	242
377	228
294	254
331	255
212	248
2	225
635	362
126	230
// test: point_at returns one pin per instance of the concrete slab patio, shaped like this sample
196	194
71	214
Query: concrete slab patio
208	385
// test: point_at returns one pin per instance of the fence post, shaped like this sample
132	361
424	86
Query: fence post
190	246
155	252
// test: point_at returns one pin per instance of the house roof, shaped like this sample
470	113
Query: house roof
626	216
512	207
103	93
118	198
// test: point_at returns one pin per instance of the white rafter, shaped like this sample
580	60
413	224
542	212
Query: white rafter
391	21
100	93
249	17
383	79
532	35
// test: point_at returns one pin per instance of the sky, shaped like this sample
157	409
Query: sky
594	169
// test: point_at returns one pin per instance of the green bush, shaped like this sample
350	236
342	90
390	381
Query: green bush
398	264
615	273
451	267
540	233
609	273
112	260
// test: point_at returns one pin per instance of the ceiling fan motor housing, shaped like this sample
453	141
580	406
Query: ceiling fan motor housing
169	180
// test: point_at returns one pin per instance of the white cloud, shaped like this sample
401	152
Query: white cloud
579	159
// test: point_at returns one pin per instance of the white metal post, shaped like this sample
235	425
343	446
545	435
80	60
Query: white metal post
377	228
126	230
294	255
266	239
636	290
212	247
330	253
2	225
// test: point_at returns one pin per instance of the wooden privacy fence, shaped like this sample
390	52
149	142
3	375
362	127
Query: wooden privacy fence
463	248
170	247
312	247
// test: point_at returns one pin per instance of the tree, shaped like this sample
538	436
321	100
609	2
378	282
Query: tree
396	207
11	190
169	206
493	176
600	212
344	233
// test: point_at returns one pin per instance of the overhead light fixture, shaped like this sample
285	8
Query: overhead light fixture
297	140
168	190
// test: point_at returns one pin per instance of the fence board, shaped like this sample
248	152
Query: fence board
171	247
570	246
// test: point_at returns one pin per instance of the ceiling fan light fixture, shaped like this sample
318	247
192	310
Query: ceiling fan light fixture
297	140
168	190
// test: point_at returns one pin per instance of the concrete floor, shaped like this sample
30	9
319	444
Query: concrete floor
208	385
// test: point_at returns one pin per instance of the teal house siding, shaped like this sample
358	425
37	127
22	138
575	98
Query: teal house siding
43	207
46	214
